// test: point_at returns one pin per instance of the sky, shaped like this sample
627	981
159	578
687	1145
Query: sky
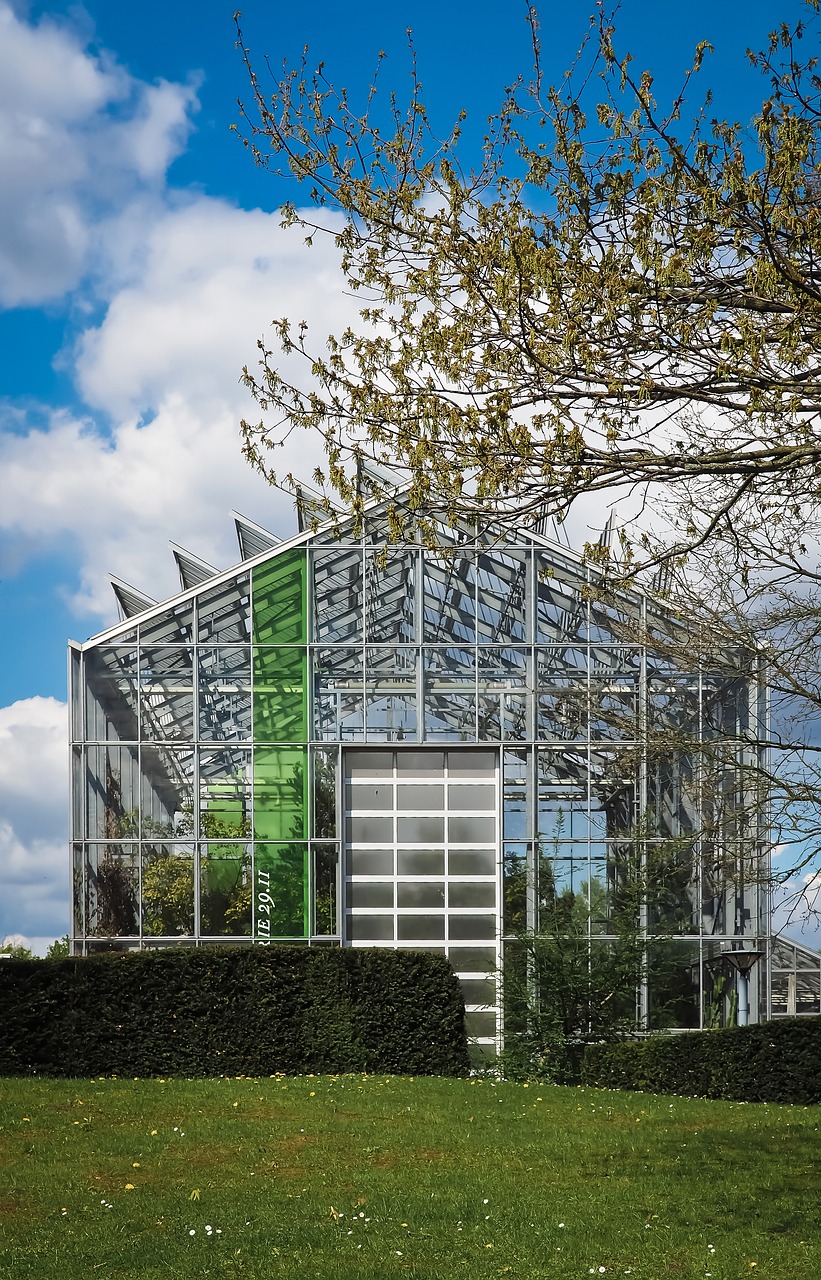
141	258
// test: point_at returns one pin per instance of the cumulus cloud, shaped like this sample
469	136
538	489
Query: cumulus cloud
33	828
163	366
79	137
200	285
118	498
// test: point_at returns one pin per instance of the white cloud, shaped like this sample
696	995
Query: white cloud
79	137
33	825
200	285
164	366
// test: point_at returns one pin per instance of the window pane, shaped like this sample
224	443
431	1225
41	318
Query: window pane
370	893
371	862
421	894
420	862
421	927
370	928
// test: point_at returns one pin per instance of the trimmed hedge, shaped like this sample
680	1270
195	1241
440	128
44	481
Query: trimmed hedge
213	1011
769	1062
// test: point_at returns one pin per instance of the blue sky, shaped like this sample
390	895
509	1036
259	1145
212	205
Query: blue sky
141	257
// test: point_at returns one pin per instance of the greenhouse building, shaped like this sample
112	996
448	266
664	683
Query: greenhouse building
459	742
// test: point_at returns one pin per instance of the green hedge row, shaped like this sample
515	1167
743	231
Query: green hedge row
212	1011
769	1062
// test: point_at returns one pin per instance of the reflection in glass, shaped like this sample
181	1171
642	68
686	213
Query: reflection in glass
225	695
168	890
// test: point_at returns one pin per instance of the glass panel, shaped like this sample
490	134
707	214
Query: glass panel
225	793
370	893
469	797
564	662
466	830
390	582
337	595
807	993
472	862
502	596
673	985
390	693
614	708
449	597
514	893
279	599
168	890
478	990
425	928
280	695
473	959
166	694
614	789
368	830
223	612
111	676
418	829
422	893
561	613
167	798
281	793
225	694
422	764
77	891
225	889
112	883
517	813
561	706
369	796
471	895
325	766
471	764
281	908
420	797
450	692
338	694
172	626
370	928
674	807
112	792
369	764
370	862
326	880
472	927
420	862
480	1024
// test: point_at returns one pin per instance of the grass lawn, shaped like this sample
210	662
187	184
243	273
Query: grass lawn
348	1176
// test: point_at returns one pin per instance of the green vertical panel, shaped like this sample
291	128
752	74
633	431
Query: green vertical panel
281	793
280	695
280	635
280	593
280	876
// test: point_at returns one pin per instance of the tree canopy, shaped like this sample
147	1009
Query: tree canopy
620	293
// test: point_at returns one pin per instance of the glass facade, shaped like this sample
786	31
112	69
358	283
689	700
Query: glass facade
344	741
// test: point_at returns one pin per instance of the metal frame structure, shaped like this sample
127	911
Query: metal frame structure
214	736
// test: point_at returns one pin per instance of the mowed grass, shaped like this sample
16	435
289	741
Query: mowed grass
349	1176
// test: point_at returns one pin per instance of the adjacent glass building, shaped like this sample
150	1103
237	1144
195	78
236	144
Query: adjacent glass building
447	743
